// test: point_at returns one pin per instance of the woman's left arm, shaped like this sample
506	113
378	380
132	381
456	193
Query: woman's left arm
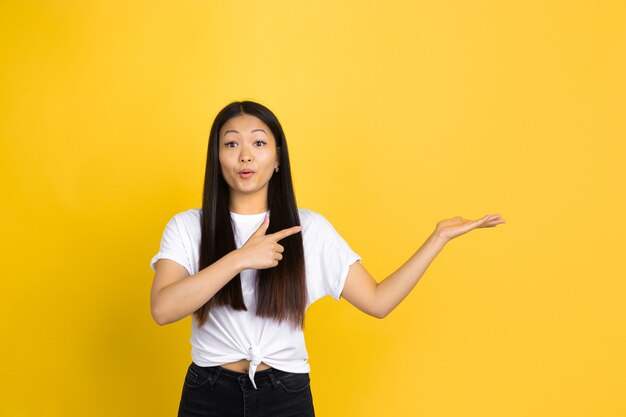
379	299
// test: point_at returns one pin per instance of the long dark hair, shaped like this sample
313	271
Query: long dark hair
281	290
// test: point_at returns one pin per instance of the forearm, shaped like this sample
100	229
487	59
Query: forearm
393	289
182	298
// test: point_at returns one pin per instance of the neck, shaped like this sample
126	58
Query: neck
248	204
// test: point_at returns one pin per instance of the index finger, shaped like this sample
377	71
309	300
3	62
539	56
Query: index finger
285	232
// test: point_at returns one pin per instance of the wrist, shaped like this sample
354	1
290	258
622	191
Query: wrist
437	239
236	260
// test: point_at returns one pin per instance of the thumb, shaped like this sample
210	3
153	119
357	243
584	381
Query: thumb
263	227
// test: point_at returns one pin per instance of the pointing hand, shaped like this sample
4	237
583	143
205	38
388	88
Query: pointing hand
263	251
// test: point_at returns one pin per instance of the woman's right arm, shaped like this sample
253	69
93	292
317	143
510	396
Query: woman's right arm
175	294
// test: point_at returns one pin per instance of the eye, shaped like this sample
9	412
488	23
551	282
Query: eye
230	144
259	143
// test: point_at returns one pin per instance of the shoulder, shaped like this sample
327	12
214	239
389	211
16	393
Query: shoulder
191	214
188	219
315	223
310	217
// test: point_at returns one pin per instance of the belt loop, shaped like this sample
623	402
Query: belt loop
218	371
272	378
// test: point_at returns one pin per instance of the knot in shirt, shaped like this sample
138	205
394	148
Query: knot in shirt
255	359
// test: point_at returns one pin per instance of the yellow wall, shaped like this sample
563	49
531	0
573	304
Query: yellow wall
398	114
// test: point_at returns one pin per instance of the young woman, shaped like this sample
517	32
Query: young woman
249	263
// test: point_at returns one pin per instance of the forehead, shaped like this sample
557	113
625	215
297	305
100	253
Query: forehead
245	124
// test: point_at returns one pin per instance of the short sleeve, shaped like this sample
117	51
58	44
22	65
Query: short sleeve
334	259
172	247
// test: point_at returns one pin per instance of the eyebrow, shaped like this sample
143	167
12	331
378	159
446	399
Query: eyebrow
252	131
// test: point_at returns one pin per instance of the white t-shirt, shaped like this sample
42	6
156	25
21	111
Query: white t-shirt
229	335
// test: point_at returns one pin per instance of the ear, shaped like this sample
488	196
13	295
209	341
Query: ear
277	157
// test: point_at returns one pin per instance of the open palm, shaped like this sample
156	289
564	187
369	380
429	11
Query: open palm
450	228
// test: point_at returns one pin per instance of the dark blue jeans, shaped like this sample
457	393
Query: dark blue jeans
215	391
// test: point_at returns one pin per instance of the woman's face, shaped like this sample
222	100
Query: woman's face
248	156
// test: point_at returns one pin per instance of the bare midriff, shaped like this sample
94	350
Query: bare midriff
243	365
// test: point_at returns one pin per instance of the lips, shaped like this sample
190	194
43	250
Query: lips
246	173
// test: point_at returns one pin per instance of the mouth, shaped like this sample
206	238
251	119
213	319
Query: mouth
246	173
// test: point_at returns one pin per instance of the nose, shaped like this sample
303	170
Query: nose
246	155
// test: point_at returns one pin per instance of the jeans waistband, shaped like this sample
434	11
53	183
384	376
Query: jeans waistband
267	377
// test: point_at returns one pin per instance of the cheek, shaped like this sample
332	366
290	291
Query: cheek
268	158
224	163
224	168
